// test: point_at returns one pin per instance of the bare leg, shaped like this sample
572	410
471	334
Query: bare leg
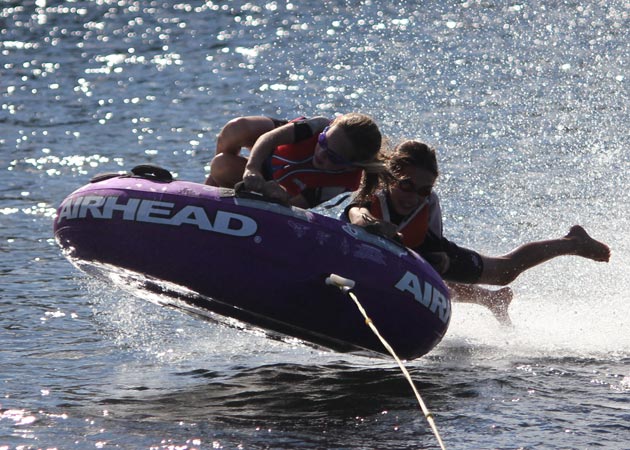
497	301
503	270
226	168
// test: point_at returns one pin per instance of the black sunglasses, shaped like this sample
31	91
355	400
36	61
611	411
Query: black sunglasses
406	185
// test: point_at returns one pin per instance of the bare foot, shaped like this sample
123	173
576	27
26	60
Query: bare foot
588	247
498	303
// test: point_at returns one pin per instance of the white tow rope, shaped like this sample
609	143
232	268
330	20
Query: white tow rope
346	285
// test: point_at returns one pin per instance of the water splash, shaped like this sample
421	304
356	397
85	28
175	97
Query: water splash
558	311
134	321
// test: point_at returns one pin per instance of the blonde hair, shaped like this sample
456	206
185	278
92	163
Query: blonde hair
363	134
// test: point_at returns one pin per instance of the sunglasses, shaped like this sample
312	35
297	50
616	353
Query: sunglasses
331	155
406	185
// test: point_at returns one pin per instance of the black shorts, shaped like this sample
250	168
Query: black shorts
465	266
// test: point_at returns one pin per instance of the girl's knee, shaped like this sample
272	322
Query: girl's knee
242	132
231	135
235	127
499	270
507	277
226	170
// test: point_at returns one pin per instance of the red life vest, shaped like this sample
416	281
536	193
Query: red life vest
413	229
292	167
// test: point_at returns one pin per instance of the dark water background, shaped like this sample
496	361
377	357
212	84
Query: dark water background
527	104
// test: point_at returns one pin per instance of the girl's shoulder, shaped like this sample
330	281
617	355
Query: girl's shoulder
306	128
317	124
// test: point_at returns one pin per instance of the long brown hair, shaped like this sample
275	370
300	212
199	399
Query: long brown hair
415	154
408	153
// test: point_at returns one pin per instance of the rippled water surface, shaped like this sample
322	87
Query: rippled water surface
527	104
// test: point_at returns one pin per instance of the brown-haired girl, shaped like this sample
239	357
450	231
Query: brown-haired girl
404	205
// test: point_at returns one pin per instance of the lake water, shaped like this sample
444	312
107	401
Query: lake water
527	104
